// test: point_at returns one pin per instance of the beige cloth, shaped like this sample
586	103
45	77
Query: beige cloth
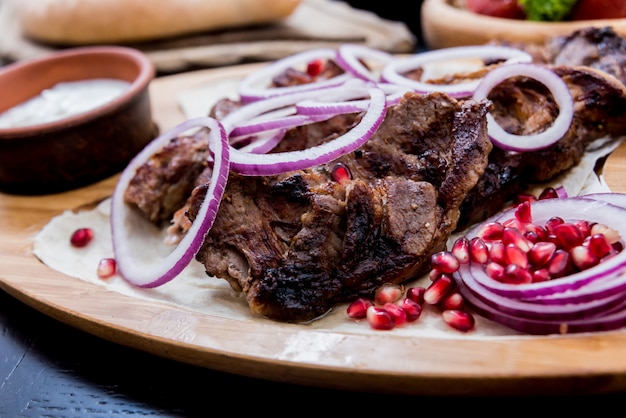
314	23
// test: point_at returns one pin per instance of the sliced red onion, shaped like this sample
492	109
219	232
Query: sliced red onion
346	101
618	199
612	320
559	91
276	163
395	70
591	300
579	304
254	86
561	192
254	126
263	142
130	230
349	59
572	208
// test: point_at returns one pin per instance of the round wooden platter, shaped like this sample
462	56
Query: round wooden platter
445	25
572	364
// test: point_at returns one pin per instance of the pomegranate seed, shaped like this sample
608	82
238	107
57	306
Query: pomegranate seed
609	233
496	252
457	319
379	318
552	222
340	173
536	230
388	293
106	268
523	213
599	245
491	231
514	255
513	223
541	253
453	301
416	294
494	270
315	67
397	312
514	274
479	253
445	262
433	274
541	275
568	235
439	289
412	308
559	265
584	226
460	249
81	237
358	308
532	236
515	237
548	193
583	258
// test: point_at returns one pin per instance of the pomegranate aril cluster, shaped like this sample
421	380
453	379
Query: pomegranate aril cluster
518	251
392	306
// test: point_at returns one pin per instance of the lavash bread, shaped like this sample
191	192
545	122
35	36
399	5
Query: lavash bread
82	22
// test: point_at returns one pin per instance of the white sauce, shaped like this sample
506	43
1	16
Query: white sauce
63	100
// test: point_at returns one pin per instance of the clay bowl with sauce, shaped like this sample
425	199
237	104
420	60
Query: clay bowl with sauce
81	144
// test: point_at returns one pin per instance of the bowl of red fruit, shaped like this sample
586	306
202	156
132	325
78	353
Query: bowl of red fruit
450	23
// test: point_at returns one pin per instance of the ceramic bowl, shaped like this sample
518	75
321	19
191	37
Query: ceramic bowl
83	148
445	25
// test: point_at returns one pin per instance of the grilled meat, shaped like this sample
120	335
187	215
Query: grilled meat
298	243
301	242
590	62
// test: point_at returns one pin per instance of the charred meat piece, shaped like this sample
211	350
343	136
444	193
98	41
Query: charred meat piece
525	107
301	242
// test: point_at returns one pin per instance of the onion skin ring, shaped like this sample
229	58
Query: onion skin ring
392	72
276	163
125	220
557	87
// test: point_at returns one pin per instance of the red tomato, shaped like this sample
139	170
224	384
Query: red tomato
497	8
599	9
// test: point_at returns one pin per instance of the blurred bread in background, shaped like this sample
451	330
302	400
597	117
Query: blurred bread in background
81	22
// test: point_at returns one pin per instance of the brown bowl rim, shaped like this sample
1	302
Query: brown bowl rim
141	82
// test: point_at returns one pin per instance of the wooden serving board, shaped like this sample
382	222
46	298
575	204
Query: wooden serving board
297	353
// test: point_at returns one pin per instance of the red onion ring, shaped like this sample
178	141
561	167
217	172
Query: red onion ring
589	300
559	91
393	72
349	55
613	320
254	127
253	87
263	142
276	163
127	225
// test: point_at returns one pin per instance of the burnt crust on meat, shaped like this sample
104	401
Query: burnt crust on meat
299	243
